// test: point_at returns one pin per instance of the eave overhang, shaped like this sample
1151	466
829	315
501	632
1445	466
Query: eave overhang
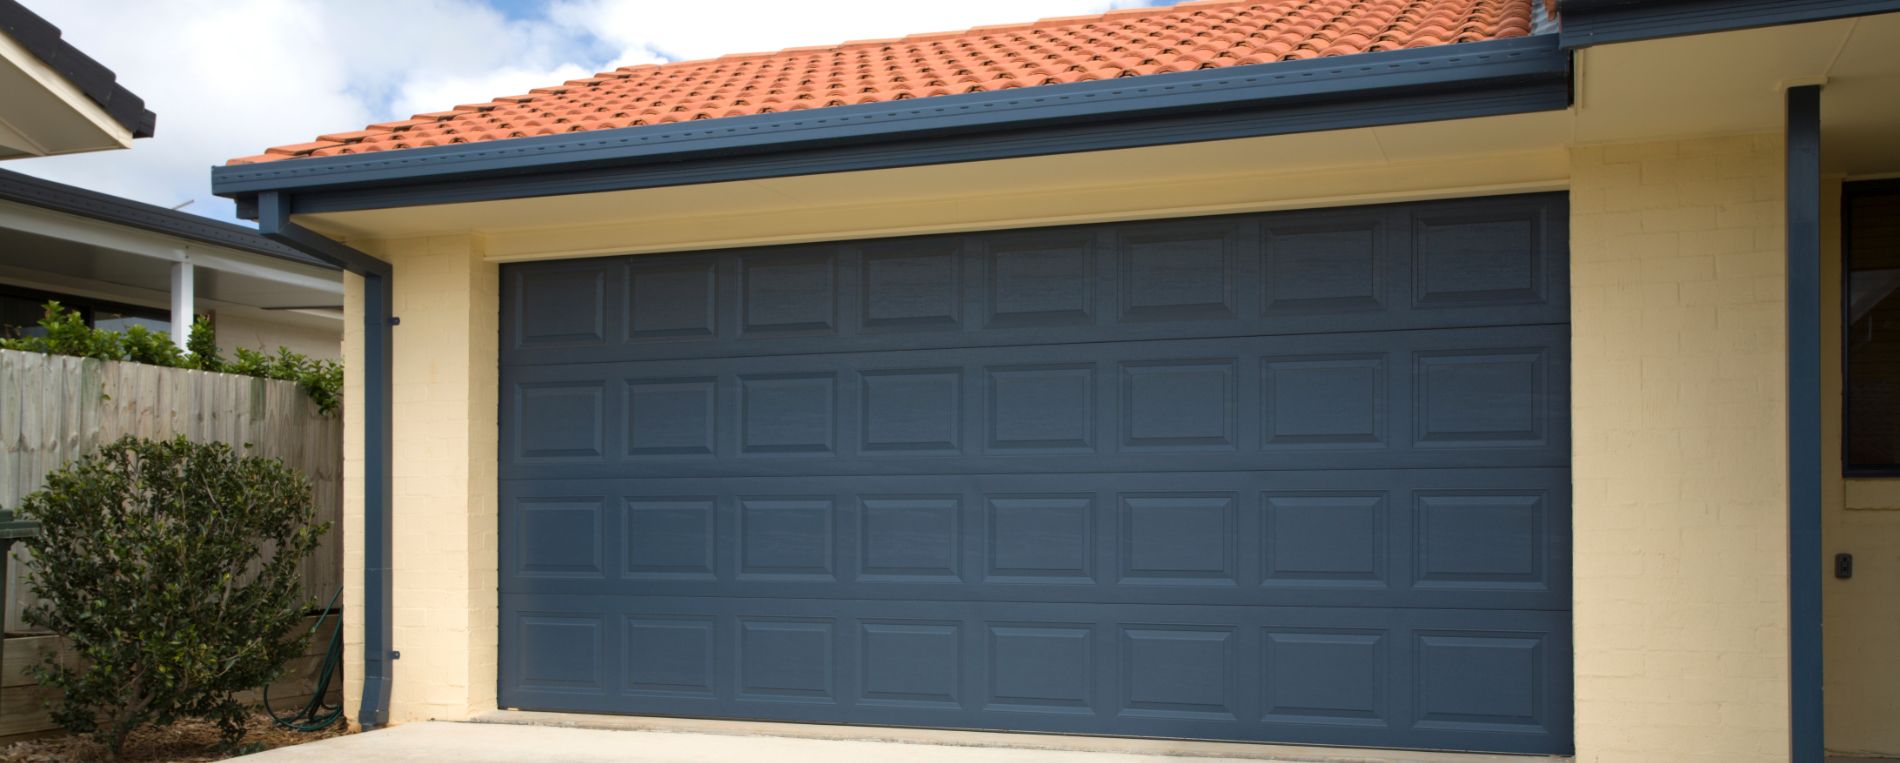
1599	22
99	84
1477	79
59	197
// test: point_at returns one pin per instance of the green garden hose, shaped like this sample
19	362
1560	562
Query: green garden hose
315	715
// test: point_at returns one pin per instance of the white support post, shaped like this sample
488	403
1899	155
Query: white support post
183	301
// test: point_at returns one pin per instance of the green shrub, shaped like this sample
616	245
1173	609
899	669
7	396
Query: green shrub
68	334
202	347
141	345
171	568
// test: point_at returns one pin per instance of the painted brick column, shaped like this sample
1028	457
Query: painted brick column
1680	474
445	382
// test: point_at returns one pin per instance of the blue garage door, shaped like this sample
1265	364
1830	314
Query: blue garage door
1295	477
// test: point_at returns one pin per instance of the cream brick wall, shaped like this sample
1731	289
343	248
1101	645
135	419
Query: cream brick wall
352	518
1680	451
445	557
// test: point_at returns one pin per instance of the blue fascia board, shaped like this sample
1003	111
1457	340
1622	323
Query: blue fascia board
1600	22
1428	84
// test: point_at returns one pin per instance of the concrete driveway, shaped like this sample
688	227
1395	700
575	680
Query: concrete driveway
501	743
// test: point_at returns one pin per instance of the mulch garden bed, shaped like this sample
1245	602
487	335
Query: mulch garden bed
190	741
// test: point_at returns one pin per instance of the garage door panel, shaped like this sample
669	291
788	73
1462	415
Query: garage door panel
1298	477
1486	262
1481	397
1324	675
1493	538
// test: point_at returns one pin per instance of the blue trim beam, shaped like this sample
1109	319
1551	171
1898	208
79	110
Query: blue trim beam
1601	22
1804	425
378	444
1490	78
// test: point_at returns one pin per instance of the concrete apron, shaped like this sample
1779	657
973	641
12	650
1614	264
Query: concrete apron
511	736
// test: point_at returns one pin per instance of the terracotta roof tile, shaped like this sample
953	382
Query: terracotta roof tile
1124	43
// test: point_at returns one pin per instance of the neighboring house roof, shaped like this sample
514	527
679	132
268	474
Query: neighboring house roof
1197	35
43	41
59	197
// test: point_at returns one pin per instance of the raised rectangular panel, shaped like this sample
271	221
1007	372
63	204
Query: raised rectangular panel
1481	540
787	414
1042	408
559	652
1482	398
558	421
785	538
910	663
672	417
670	538
1178	405
910	538
1324	269
1178	671
1323	402
1045	538
1179	539
1041	668
1479	681
1041	281
1312	675
671	656
672	300
913	288
561	307
1467	260
1324	539
1178	271
558	537
786	659
912	411
789	293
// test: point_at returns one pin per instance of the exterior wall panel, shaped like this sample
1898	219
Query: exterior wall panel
1680	451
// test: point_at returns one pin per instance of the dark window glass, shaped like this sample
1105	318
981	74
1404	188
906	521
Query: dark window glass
21	310
19	317
1873	329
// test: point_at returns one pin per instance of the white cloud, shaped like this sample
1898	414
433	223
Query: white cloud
231	77
684	30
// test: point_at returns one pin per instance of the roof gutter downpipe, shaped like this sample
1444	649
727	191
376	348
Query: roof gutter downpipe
273	221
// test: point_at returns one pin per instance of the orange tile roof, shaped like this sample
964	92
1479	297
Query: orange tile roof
1133	42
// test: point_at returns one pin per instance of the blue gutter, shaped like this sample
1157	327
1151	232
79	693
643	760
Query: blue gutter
1600	22
1489	78
1806	720
273	221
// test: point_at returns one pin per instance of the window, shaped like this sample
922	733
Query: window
21	310
1871	318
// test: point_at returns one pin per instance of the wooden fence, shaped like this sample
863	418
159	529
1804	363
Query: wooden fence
54	409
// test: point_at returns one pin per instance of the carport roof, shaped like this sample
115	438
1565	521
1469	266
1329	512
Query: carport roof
1209	34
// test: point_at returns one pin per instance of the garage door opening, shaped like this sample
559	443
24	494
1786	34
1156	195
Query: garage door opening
1297	477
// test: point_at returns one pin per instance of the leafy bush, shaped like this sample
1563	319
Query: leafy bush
68	334
171	568
322	380
142	345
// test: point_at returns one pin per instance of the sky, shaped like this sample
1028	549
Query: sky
232	77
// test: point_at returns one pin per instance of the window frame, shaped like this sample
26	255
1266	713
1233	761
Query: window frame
1850	191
